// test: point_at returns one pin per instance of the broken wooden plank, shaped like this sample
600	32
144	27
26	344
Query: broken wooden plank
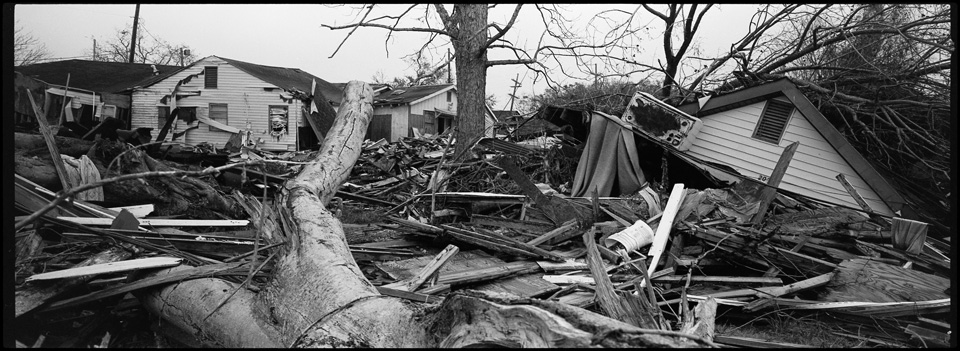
773	271
795	287
720	279
34	295
703	323
51	144
503	243
769	192
557	210
567	226
871	281
412	296
163	222
568	265
232	268
523	225
666	224
569	279
614	305
412	283
110	267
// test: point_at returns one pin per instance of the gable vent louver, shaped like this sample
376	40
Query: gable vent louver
773	121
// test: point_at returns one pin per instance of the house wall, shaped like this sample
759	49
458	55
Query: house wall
726	139
399	119
246	98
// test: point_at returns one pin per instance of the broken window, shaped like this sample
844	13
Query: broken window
210	77
218	112
162	113
773	121
278	121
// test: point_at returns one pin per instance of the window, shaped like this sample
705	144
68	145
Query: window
449	96
162	113
278	121
210	77
773	121
218	112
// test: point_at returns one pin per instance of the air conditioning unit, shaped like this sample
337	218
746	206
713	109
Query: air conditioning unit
662	121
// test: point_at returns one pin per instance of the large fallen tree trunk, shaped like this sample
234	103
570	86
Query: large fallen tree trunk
318	297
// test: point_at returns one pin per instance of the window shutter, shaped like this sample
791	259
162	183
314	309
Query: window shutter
210	77
773	121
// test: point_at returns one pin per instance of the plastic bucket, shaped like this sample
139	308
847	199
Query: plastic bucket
633	237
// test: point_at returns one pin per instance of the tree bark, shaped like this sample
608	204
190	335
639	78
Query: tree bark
318	297
469	43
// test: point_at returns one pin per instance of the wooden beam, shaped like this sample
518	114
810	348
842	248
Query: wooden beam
412	296
567	226
425	273
110	267
769	192
663	228
755	343
720	279
163	222
853	193
51	144
34	295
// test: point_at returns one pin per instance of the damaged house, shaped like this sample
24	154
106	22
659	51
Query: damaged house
93	90
218	97
430	109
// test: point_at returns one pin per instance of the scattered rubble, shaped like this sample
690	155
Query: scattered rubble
502	222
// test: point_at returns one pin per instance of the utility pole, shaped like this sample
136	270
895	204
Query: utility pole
133	41
449	80
516	84
94	49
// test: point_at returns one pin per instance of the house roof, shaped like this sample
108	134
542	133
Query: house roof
410	95
375	86
288	78
785	87
98	76
502	115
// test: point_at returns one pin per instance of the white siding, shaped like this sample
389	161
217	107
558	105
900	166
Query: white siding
246	100
726	139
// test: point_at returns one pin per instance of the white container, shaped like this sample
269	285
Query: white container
633	237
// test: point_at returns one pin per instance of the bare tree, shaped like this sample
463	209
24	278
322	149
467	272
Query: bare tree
149	49
467	29
27	50
423	73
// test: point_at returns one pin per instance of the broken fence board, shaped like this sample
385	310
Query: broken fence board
664	227
111	267
163	222
31	296
413	296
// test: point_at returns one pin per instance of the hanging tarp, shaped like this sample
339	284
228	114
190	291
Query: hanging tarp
609	158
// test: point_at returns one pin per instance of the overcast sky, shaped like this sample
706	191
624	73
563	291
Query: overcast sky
291	35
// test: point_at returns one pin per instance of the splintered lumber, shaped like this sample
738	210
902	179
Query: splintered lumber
703	323
866	280
164	222
556	209
815	222
720	279
500	243
666	224
614	305
34	295
566	227
805	284
412	296
111	267
164	277
527	225
412	283
769	192
51	144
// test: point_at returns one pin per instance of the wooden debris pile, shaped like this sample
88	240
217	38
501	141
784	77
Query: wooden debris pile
500	223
